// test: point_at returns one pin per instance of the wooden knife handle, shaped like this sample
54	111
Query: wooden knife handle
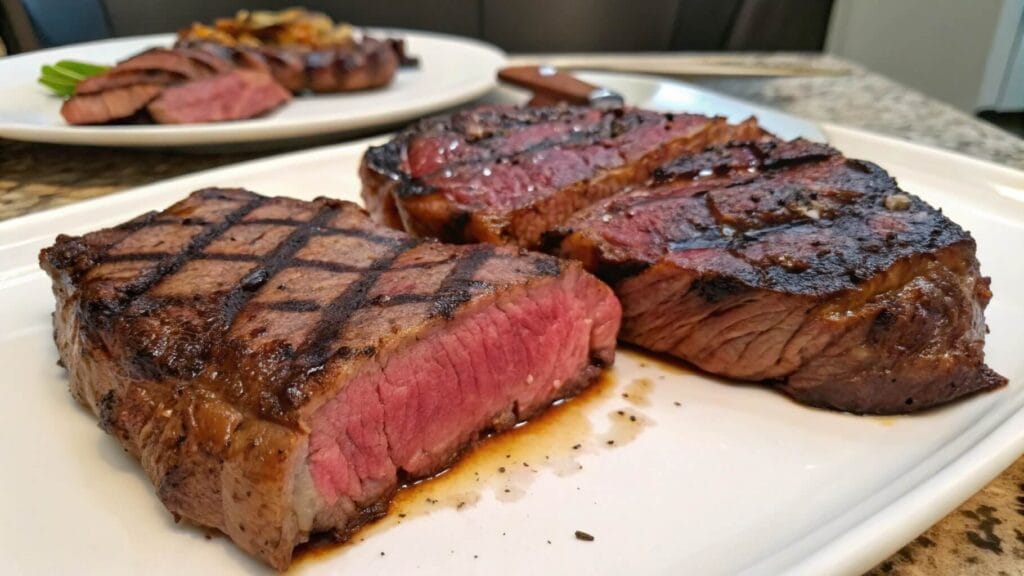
548	84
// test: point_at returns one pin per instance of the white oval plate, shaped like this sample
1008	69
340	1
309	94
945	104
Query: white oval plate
734	479
452	70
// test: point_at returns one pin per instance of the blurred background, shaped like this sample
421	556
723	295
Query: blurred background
968	53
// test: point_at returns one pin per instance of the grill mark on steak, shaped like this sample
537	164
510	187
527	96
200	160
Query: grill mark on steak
280	258
172	262
290	306
219	410
456	288
313	353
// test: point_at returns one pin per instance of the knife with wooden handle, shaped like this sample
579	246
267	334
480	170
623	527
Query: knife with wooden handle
551	86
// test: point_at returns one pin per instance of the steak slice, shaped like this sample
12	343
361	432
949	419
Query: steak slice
786	262
111	80
234	95
109	105
365	65
280	366
522	172
189	64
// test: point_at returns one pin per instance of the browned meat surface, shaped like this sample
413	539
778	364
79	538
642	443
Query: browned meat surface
365	65
188	64
209	82
789	263
279	366
234	95
747	256
110	81
506	174
109	105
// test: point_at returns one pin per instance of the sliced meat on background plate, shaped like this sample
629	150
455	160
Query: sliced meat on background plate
279	366
788	262
365	65
120	79
525	170
109	105
234	95
190	64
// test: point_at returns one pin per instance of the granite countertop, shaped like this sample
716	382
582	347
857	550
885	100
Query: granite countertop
984	536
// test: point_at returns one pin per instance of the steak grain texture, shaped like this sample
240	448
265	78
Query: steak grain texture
279	367
786	262
233	95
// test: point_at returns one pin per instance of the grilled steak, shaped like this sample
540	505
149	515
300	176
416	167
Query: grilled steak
365	65
789	263
234	95
506	174
280	366
756	259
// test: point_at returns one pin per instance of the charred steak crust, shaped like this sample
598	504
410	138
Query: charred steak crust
278	366
370	64
439	177
748	256
785	261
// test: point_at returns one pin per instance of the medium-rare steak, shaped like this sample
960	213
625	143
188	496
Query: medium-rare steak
508	174
786	262
109	105
280	366
233	95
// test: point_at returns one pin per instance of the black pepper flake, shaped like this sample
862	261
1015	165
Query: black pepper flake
611	442
501	469
402	515
382	553
581	535
576	446
677	403
632	418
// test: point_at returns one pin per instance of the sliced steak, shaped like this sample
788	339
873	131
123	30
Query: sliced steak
365	65
185	63
110	105
234	95
111	80
523	171
280	366
789	263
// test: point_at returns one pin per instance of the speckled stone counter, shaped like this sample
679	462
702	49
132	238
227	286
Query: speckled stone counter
984	536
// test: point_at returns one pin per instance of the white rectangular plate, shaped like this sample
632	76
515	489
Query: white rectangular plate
733	478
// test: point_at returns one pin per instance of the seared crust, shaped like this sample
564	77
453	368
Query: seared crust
509	175
785	261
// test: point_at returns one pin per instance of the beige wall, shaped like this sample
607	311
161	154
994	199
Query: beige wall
953	50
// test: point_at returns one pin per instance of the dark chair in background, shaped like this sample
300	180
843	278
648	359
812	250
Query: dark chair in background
45	23
516	26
